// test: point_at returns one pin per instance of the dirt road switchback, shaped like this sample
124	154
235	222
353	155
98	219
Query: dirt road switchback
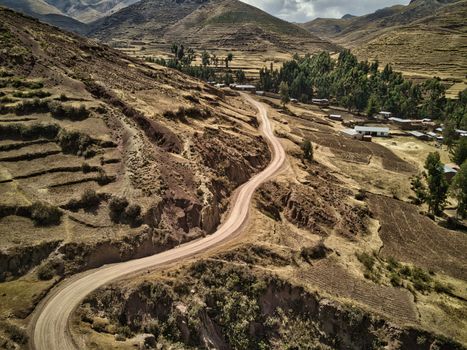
50	323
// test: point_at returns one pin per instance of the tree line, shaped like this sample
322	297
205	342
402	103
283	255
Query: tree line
210	68
363	87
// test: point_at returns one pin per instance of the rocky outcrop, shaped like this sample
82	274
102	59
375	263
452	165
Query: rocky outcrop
17	261
320	206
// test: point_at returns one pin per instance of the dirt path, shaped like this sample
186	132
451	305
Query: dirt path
50	324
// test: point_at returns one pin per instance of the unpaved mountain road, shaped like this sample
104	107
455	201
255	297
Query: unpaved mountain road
50	322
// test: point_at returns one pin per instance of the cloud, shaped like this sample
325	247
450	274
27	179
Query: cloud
306	10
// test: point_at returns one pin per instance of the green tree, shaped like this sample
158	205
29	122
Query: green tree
434	98
459	151
307	149
373	106
205	59
228	59
449	134
437	184
419	188
240	76
284	92
459	190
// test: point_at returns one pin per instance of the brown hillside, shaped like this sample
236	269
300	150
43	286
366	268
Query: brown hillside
206	24
424	36
144	134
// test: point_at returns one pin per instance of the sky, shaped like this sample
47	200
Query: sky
306	10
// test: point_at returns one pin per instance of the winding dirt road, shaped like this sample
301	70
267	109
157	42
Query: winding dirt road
50	323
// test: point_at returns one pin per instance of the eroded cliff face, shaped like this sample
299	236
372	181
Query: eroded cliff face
321	204
214	304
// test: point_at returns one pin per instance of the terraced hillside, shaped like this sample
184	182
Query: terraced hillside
103	158
426	36
211	24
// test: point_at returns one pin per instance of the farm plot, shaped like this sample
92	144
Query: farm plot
411	237
360	152
330	277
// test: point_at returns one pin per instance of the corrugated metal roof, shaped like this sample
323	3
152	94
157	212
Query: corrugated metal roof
416	133
371	129
350	132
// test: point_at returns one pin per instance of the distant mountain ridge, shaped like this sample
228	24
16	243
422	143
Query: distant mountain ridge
89	10
206	23
426	36
47	13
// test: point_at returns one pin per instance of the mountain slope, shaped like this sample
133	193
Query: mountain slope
89	10
206	23
47	13
352	31
425	36
108	129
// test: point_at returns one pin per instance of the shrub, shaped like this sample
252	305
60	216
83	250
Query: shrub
31	94
19	83
318	251
5	74
406	271
395	279
133	212
117	206
419	274
442	288
360	195
31	106
74	142
367	260
421	286
63	98
58	110
90	199
86	168
44	214
17	334
46	271
103	178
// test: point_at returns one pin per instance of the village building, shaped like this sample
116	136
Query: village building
243	87
372	131
406	124
419	135
449	172
385	115
320	101
336	117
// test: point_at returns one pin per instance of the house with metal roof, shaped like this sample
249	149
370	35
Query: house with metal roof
419	135
372	131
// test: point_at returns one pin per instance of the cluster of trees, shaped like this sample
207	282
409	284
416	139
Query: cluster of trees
212	67
432	187
362	87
